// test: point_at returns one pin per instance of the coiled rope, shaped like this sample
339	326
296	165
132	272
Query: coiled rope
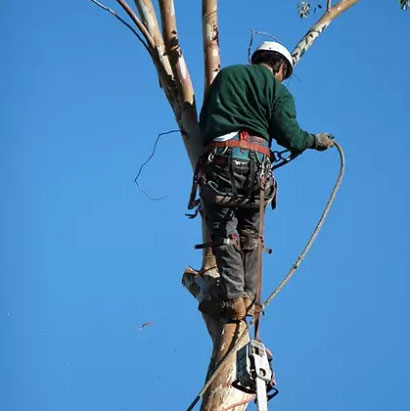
285	280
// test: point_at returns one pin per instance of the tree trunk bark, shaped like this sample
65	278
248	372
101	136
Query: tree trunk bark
221	395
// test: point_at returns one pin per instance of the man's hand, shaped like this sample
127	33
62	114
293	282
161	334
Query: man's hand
323	141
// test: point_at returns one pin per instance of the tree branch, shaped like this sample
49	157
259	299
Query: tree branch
165	77
149	18
329	4
253	32
147	161
318	28
187	117
174	52
137	22
210	35
114	13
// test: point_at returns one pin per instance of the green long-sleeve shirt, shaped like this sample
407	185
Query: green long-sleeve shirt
248	97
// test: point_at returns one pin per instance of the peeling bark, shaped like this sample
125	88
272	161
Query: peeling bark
187	115
149	18
174	52
210	35
212	65
221	394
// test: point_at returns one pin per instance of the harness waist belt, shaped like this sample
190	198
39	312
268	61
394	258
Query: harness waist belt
224	161
243	144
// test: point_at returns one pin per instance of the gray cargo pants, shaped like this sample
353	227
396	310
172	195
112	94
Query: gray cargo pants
237	263
237	260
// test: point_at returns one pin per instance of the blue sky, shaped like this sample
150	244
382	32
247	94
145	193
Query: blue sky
85	258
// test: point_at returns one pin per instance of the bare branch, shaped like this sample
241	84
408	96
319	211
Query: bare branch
137	22
165	77
329	4
149	18
114	13
164	71
318	28
210	35
178	90
174	52
187	117
253	32
147	161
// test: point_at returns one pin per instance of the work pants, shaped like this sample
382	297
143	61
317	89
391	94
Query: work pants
237	260
234	229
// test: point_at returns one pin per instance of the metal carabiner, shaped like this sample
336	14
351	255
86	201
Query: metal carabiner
280	159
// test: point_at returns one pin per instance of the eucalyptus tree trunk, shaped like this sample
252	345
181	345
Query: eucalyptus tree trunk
162	43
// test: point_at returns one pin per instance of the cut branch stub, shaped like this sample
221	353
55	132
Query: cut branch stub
202	285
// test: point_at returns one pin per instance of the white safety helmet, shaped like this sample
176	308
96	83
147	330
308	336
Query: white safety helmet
279	48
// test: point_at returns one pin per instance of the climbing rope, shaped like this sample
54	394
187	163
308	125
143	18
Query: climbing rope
285	280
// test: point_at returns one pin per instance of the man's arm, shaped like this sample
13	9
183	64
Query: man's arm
284	127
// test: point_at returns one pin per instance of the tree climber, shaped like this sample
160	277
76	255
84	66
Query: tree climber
245	108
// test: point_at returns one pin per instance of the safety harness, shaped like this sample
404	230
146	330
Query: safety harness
245	142
244	147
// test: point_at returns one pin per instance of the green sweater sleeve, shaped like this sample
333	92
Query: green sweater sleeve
284	127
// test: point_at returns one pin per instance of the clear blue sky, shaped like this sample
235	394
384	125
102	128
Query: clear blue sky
85	258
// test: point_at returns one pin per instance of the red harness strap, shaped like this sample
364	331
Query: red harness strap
243	143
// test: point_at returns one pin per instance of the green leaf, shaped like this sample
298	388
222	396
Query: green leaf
404	4
303	9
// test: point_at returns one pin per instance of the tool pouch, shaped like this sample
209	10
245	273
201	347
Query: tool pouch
235	183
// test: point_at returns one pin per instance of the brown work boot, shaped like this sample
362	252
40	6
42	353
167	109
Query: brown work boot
235	309
249	306
252	307
211	308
